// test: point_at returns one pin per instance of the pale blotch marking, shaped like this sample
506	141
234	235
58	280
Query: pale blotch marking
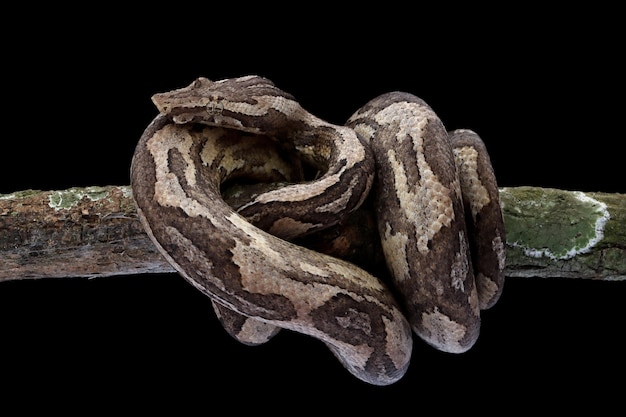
460	266
288	228
358	354
312	269
427	206
473	189
442	332
168	191
255	331
259	241
366	131
486	287
394	247
229	161
209	152
474	301
395	342
497	245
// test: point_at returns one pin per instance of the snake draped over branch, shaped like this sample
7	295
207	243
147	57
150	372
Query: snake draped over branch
233	176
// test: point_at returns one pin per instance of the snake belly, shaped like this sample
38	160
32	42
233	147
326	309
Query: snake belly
255	273
428	184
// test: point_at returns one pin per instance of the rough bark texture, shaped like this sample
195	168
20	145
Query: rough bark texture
78	232
94	232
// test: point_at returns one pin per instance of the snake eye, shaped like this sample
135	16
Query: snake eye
214	107
201	82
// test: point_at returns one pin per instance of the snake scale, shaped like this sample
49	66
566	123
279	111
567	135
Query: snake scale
295	176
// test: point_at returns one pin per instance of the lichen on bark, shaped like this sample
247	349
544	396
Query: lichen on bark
553	223
558	233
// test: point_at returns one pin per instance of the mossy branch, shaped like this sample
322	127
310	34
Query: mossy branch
95	232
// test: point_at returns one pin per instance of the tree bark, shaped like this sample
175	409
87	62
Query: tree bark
95	232
78	232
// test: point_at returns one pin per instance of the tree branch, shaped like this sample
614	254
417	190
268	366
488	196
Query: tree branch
95	232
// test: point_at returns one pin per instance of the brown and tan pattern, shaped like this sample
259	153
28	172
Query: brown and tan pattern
483	214
421	222
299	175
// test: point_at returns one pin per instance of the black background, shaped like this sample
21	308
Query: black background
543	90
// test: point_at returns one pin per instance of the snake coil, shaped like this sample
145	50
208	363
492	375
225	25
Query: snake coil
295	176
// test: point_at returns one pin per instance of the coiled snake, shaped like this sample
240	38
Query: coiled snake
434	194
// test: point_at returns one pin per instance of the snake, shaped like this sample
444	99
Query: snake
232	174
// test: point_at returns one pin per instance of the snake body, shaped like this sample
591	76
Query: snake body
421	221
211	133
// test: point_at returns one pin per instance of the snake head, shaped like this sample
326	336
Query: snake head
237	103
